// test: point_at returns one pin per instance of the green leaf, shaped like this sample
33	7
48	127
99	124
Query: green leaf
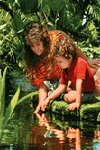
17	23
27	96
2	91
29	6
11	107
2	26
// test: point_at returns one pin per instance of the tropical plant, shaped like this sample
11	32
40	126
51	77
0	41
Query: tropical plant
80	19
5	113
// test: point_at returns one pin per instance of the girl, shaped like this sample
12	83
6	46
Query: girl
78	79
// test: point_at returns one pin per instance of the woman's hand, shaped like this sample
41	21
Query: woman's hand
45	103
37	109
43	121
94	64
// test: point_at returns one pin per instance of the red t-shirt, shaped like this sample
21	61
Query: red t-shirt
42	74
79	70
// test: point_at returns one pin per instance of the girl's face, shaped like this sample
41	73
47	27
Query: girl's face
63	62
37	47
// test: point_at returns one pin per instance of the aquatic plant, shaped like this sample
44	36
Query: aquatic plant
5	113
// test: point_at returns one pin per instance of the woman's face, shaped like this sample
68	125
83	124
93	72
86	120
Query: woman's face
62	61
37	47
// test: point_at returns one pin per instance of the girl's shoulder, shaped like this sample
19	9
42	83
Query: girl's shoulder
79	60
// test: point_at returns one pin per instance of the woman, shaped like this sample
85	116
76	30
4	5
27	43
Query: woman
38	55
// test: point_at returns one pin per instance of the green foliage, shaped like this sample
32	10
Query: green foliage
29	6
90	51
6	113
27	96
9	43
10	108
2	96
74	17
87	111
90	111
80	19
94	10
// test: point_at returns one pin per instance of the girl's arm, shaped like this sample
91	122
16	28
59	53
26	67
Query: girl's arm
79	91
54	95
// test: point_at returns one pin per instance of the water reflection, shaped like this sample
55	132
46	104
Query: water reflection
96	140
48	131
49	135
59	135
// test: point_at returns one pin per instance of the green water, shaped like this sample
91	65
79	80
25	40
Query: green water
45	131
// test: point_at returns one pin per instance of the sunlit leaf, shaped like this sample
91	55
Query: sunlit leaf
2	91
10	108
27	96
2	26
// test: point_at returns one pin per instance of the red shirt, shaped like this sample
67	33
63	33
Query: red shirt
79	70
42	74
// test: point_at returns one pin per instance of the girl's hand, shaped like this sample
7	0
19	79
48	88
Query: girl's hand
74	106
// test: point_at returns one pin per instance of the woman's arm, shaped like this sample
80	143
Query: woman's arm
42	92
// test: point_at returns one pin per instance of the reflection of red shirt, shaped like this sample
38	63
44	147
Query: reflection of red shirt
80	70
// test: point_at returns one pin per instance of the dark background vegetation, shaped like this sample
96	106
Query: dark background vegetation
78	18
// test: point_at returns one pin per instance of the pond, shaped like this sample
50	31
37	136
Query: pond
46	131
